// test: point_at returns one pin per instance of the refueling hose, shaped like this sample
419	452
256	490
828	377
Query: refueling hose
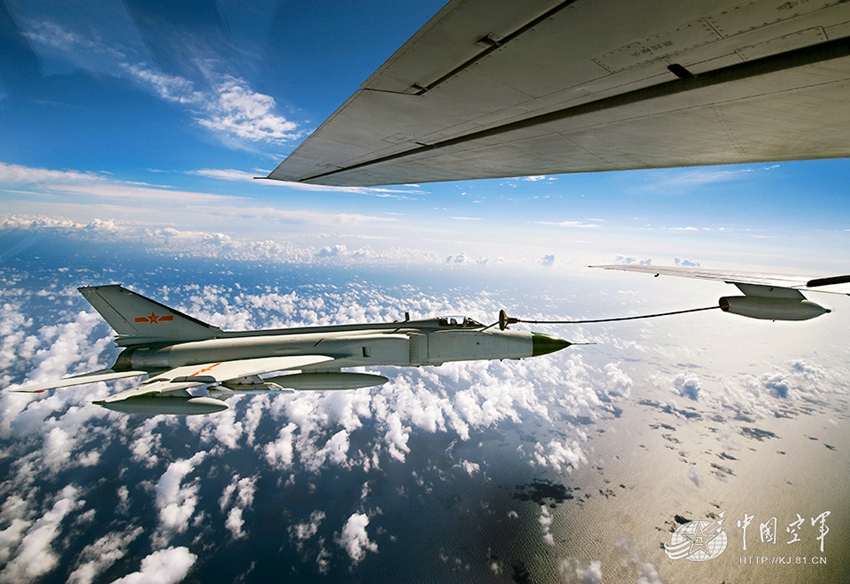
505	320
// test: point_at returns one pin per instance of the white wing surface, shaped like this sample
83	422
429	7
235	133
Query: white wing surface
94	377
183	377
833	284
188	376
495	88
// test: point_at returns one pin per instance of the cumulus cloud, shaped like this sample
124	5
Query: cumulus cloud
632	260
643	572
187	243
559	455
687	386
354	539
279	453
545	521
35	556
176	503
301	532
470	467
241	492
167	566
574	570
548	259
100	555
332	251
619	382
464	259
686	263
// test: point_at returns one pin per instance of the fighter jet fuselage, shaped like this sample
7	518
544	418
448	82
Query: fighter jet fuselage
408	343
181	354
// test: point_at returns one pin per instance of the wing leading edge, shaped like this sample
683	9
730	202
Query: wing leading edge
495	88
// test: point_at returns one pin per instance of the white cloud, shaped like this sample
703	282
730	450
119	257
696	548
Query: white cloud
688	263
279	453
462	258
228	174
470	467
35	556
301	532
168	566
631	260
680	180
577	224
100	555
103	187
333	251
559	455
396	437
13	514
227	106
176	503
574	570
238	110
545	521
53	35
619	381
241	491
17	175
687	386
169	87
354	539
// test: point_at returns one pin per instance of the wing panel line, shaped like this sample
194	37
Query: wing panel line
771	64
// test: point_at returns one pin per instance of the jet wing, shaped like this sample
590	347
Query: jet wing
833	284
94	377
496	88
181	378
184	377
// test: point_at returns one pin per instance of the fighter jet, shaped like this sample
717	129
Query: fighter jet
182	355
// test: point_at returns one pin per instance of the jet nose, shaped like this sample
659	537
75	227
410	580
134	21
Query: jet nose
544	344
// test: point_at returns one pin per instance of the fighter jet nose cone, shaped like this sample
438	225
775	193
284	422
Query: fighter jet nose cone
545	344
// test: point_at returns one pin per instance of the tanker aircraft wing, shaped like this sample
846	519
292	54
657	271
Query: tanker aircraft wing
497	88
766	296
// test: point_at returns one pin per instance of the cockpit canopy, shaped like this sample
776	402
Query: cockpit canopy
458	322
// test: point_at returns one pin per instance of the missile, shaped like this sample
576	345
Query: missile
158	404
768	308
327	380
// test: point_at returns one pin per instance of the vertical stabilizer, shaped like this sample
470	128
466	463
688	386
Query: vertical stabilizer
139	320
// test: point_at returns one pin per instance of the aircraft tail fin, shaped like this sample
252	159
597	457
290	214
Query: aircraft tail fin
139	320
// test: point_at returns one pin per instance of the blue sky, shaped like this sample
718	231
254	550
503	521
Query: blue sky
159	113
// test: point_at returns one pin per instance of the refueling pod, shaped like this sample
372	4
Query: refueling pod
772	308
